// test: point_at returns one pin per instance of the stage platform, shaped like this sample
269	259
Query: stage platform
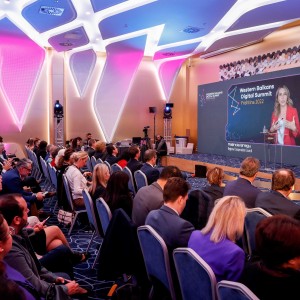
231	165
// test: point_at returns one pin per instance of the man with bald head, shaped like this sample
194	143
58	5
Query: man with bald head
276	201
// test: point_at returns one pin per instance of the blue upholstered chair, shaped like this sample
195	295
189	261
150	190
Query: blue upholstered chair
70	200
140	179
234	291
89	205
115	167
196	278
131	182
253	216
104	213
156	258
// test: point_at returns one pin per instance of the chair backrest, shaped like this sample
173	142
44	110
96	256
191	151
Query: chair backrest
234	291
253	216
45	169
89	165
68	191
140	179
53	176
108	165
130	182
156	257
104	213
115	167
196	278
93	161
89	205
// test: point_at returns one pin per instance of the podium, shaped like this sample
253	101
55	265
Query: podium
270	149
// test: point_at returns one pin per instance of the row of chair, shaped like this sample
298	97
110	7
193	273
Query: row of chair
195	276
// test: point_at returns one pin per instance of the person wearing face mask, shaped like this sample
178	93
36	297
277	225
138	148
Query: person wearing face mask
285	120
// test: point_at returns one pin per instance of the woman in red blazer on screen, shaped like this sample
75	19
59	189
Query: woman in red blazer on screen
285	119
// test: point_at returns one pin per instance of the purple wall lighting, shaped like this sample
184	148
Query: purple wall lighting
21	61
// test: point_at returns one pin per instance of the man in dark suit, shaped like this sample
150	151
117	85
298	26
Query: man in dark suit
91	147
174	230
148	168
276	201
112	152
243	187
134	163
12	182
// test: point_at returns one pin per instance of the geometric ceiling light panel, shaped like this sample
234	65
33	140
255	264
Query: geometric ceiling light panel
183	20
69	40
243	38
82	65
168	72
115	83
280	11
44	15
21	61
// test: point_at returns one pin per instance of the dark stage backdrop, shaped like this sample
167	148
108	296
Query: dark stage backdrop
232	116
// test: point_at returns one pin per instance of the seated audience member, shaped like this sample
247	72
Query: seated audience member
201	201
99	150
30	144
76	144
215	243
161	146
112	152
41	153
174	230
134	163
3	156
22	258
77	180
99	181
276	276
13	182
243	187
148	168
117	194
276	201
9	289
53	153
86	141
36	145
124	158
151	197
91	147
62	162
214	177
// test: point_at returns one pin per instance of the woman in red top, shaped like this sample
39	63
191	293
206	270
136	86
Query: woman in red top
285	119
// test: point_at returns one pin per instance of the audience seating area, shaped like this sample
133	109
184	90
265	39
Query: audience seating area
196	279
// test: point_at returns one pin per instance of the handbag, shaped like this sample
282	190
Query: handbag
65	217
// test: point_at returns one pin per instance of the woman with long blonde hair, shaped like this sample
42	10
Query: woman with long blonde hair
99	181
215	243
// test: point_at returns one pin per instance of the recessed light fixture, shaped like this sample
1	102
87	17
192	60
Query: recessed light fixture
52	11
191	29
